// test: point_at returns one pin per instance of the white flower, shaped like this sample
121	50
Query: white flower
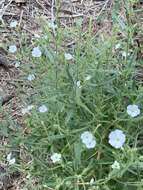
115	165
124	54
133	110
117	46
27	109
78	84
68	56
17	64
37	36
88	139
28	176
36	52
52	25
56	157
30	107
88	77
91	144
10	160
13	24
31	77
9	156
92	181
1	19
117	138
86	136
45	37
12	48
43	109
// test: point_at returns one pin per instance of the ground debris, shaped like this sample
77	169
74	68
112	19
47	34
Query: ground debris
5	179
5	63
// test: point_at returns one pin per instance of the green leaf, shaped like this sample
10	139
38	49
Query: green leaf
80	103
77	153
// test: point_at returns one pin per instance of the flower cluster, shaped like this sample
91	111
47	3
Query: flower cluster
116	138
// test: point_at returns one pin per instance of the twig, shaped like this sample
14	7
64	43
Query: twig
40	5
69	16
9	80
6	99
102	8
2	11
5	63
21	15
53	16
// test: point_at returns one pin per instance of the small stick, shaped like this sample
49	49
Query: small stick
53	16
69	16
4	63
21	15
6	99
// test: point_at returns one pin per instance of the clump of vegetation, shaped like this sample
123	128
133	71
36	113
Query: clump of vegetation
84	116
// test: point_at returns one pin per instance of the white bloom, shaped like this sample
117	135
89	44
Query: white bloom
13	24
12	48
91	144
115	165
117	46
1	19
10	160
30	107
24	111
117	138
88	77
78	84
52	25
36	52
56	157
68	56
86	136
9	156
31	77
43	109
88	139
124	54
17	64
133	110
45	37
28	176
92	181
27	109
37	36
